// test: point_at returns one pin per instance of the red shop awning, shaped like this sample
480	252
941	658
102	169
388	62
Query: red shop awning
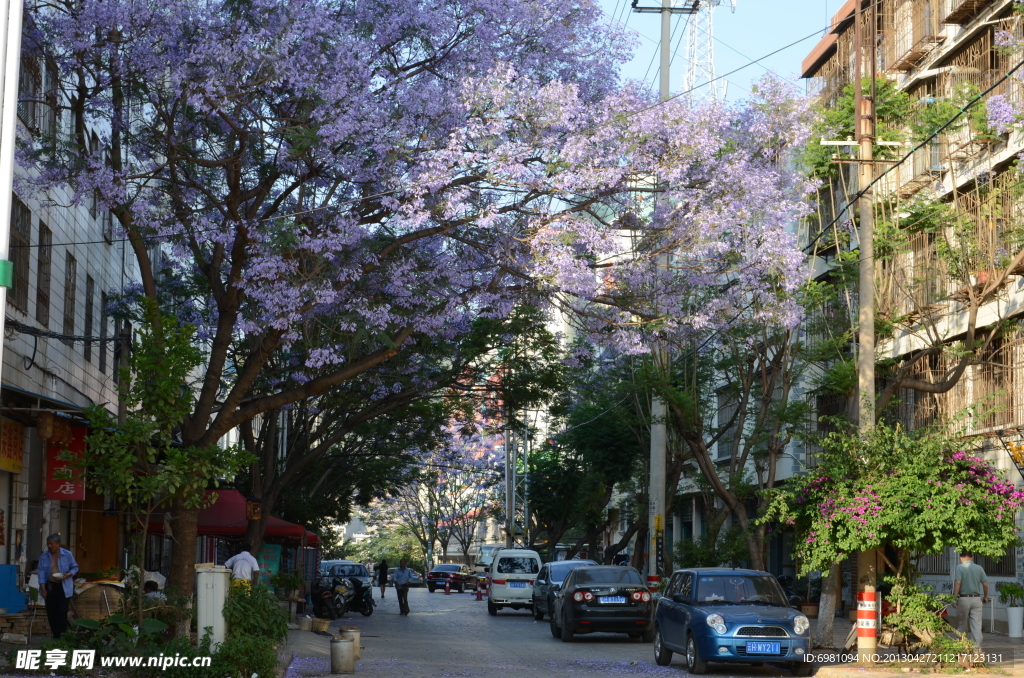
226	518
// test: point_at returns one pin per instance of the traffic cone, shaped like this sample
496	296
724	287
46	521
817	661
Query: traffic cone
479	593
447	588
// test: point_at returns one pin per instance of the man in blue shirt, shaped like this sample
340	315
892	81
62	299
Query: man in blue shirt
57	570
402	577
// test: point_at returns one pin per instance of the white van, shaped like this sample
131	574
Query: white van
511	576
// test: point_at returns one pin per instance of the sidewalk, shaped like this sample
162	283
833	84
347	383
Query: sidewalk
1011	650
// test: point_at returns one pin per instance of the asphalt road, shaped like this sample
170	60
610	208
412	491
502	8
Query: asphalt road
454	636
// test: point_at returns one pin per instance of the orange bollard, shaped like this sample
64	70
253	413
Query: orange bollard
447	588
479	593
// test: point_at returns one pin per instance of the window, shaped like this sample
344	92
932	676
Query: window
70	290
1004	566
687	588
103	332
21	239
90	291
29	86
674	585
517	565
43	275
732	588
727	408
935	563
609	575
543	576
107	224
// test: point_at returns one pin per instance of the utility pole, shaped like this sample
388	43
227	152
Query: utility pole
659	433
864	119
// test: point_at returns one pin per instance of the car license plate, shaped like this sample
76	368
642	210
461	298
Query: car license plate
517	584
613	599
762	648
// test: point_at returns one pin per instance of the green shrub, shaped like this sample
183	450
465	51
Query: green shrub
1010	594
256	612
247	655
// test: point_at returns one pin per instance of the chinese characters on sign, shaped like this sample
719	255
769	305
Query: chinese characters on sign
57	486
12	445
30	659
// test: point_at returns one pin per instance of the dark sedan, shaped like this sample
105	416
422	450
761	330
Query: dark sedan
549	580
607	599
729	615
460	577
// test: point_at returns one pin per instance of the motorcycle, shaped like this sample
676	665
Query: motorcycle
359	597
328	596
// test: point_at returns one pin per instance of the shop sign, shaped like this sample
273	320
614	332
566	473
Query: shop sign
12	445
58	487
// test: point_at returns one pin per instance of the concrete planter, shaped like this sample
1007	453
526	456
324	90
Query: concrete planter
1015	620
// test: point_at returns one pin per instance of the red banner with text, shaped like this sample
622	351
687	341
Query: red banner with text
60	487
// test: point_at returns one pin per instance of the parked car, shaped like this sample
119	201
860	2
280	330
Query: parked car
511	578
729	615
460	577
605	598
549	580
351	569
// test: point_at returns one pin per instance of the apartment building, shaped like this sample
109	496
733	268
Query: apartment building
59	350
955	211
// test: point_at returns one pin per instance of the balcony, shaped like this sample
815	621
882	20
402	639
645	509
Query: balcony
961	11
916	32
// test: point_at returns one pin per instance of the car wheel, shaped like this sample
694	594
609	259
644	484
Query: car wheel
567	633
492	609
538	614
555	631
802	669
695	664
662	655
647	636
462	588
430	589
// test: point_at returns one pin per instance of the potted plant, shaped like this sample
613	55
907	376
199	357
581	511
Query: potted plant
1011	594
286	584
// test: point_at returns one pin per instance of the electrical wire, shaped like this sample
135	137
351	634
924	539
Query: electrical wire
21	328
859	194
585	129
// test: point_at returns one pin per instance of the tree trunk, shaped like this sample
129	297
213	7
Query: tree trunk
185	524
831	587
641	547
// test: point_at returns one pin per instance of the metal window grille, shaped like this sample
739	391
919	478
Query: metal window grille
935	563
30	84
43	275
21	234
90	292
103	333
1003	566
70	290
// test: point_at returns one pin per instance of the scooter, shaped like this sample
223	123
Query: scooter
328	596
359	598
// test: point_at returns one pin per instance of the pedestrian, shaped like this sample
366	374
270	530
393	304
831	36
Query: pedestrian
151	590
970	587
402	577
244	568
57	570
382	576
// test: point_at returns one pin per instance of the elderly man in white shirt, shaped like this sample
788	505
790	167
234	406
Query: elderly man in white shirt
244	568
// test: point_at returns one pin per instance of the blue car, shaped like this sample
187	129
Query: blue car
729	615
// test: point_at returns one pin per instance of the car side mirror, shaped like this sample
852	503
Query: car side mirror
679	598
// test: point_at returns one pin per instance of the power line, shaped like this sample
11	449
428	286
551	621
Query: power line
910	153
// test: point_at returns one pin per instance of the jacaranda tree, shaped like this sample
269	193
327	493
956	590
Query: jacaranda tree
333	182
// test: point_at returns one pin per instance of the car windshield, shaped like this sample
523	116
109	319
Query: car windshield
602	575
517	565
349	571
561	570
733	589
446	568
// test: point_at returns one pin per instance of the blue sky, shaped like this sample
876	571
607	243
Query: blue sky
756	28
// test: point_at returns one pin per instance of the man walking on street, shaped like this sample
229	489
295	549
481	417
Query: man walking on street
402	577
970	587
57	570
382	576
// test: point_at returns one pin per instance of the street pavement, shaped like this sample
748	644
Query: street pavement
454	636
